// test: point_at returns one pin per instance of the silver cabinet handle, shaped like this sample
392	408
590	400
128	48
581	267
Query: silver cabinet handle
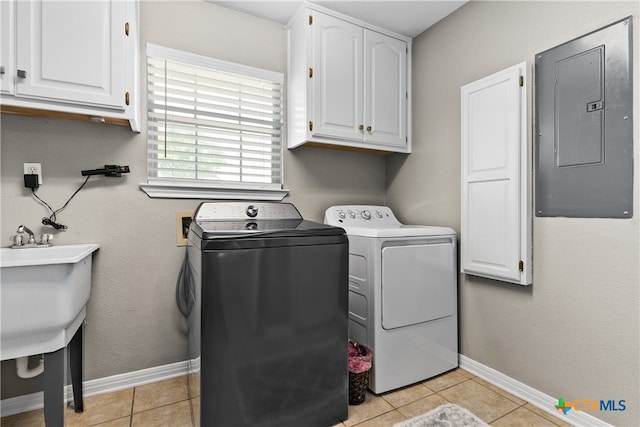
22	74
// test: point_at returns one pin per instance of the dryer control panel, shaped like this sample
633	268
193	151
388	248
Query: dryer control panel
360	215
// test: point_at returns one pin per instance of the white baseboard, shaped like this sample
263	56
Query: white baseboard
29	402
535	397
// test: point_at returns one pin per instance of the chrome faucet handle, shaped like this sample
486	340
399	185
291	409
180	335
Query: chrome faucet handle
32	240
45	239
18	240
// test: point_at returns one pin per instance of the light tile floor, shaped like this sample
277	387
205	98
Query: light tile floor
166	403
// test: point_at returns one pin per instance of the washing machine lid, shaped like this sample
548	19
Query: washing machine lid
377	221
217	220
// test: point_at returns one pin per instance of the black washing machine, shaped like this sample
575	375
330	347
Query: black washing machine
266	302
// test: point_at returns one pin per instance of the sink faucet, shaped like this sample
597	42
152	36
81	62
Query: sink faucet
18	241
23	229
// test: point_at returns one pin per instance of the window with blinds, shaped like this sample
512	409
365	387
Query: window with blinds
212	123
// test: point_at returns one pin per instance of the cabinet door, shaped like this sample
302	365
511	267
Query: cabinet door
496	204
7	61
337	60
385	93
71	51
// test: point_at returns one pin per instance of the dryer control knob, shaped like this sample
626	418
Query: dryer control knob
252	211
379	214
341	215
352	214
365	215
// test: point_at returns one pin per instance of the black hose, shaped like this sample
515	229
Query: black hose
184	288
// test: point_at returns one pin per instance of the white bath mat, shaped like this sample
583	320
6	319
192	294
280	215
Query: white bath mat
448	415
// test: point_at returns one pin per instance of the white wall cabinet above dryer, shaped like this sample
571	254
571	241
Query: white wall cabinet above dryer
495	238
71	59
348	84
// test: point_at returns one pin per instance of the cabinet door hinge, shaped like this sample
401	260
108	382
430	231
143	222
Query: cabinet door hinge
310	72
310	19
521	265
521	81
126	28
126	98
310	126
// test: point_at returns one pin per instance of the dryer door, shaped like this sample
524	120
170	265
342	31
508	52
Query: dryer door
418	283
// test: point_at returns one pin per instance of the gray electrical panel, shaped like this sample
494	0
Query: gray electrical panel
584	126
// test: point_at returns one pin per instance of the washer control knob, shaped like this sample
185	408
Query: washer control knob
352	214
341	215
379	214
365	215
252	211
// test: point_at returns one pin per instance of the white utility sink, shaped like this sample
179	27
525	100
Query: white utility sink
43	294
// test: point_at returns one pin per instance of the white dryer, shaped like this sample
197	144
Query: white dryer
402	294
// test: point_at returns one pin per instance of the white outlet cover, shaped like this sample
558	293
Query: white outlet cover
31	168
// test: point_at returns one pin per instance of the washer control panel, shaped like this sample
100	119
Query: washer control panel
360	215
237	211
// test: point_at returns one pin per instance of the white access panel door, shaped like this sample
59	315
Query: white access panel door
385	95
337	78
418	284
496	207
7	51
72	51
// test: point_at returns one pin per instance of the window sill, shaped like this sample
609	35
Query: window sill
180	191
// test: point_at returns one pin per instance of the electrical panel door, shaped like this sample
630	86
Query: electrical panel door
584	132
495	239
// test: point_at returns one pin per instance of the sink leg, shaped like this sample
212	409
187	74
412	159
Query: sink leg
75	362
54	379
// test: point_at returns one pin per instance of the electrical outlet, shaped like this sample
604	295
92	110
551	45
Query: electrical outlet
34	169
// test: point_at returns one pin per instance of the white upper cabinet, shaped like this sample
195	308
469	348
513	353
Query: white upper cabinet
7	41
385	92
335	76
56	63
495	238
79	58
347	84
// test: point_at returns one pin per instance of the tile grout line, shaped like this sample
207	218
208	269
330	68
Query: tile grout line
133	402
452	385
523	405
433	392
519	405
506	397
507	413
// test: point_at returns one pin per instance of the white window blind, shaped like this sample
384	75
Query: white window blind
212	123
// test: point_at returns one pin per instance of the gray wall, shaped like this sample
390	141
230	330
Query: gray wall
574	332
132	322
